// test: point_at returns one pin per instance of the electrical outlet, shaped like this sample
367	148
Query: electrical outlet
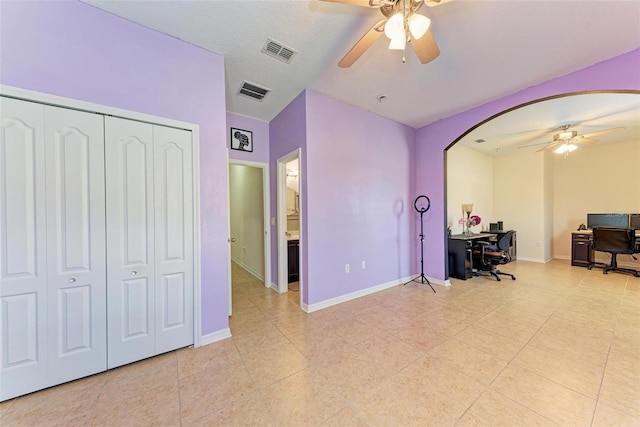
347	268
538	244
364	264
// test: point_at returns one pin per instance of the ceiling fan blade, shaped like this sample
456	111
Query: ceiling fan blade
585	141
364	3
602	132
363	44
426	47
536	144
548	146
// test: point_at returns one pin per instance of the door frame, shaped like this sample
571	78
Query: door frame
281	194
74	104
266	208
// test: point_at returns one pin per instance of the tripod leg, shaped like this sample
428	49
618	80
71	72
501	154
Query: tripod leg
425	280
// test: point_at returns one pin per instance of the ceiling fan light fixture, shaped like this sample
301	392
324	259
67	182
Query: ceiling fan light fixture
398	43
565	135
418	25
566	148
394	27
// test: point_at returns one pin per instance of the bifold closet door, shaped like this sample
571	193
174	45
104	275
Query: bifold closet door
149	244
173	179
52	284
130	242
23	283
75	244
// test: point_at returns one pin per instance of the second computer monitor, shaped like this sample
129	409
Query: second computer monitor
607	220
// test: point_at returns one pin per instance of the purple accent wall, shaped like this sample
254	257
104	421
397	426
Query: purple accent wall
288	132
260	131
359	205
620	73
74	50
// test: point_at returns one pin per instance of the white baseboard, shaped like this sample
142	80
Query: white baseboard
274	286
538	260
249	270
220	335
363	292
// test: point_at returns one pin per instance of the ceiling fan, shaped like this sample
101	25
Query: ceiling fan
566	140
401	24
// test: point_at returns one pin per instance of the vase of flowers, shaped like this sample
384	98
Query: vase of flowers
468	222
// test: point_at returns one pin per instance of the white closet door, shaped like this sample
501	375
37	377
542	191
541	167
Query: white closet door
76	244
23	274
130	242
173	177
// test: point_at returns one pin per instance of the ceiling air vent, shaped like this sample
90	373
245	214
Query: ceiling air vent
278	51
253	91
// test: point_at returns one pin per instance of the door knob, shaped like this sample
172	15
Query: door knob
72	280
134	273
232	240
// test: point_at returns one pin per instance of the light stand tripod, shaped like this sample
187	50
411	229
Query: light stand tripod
421	207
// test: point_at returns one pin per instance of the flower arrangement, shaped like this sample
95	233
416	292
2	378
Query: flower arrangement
470	221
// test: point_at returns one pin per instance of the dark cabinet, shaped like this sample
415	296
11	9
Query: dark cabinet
293	256
581	249
460	263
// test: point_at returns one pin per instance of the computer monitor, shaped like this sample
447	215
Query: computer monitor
634	221
607	220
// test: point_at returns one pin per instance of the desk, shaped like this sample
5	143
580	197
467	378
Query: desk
460	258
582	248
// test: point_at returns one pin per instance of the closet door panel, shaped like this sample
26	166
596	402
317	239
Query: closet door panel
76	243
130	243
23	271
174	238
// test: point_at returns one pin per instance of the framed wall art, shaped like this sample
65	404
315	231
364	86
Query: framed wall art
241	140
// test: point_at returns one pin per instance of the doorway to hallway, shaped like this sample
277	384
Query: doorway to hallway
249	222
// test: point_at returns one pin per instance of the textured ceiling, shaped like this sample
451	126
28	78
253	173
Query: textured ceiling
532	127
489	49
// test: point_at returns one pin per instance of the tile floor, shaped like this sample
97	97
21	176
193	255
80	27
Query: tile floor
558	346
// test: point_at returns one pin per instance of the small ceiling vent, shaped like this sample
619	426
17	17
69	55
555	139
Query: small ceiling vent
253	91
278	50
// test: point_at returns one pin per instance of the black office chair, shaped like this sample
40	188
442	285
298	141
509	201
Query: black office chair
486	256
615	240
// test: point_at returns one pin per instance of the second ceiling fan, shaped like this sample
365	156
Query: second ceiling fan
401	24
566	140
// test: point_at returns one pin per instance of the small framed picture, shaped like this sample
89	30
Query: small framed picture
241	140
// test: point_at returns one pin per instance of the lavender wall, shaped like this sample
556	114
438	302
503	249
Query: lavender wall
359	205
74	50
618	73
288	132
260	131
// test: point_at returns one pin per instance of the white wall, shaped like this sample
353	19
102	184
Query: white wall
519	200
469	180
547	198
247	218
598	179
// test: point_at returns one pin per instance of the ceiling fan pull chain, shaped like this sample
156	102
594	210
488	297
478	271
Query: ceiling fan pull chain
406	31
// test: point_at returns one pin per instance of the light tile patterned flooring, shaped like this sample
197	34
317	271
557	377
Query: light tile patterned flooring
558	346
